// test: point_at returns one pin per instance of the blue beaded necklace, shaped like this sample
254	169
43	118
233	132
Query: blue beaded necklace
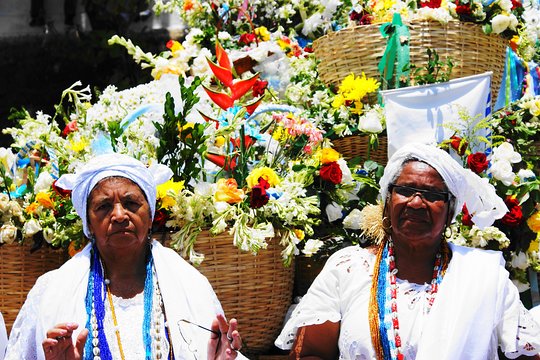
96	345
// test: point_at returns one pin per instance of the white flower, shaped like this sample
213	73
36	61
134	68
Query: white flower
48	235
30	228
501	22
8	234
346	175
312	246
525	175
43	182
352	221
505	151
7	158
370	122
519	261
334	211
502	171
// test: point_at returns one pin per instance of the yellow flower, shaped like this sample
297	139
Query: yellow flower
299	234
534	245
262	33
329	155
165	190
175	46
220	141
188	125
228	191
45	200
534	222
78	146
266	173
338	101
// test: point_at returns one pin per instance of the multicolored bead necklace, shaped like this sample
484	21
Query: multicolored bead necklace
97	347
383	312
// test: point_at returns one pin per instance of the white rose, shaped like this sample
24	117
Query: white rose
370	122
8	234
7	158
311	247
526	174
30	228
334	211
505	151
352	221
499	23
502	171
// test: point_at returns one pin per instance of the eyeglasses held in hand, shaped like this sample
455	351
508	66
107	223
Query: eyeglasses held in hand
202	327
191	346
428	195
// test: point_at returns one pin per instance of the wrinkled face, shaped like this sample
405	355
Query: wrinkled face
416	218
118	215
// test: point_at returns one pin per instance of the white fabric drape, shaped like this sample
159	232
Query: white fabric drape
476	309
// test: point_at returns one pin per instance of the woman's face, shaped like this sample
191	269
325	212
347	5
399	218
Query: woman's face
418	219
118	215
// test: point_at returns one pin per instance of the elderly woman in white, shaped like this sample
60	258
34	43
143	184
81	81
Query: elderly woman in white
123	296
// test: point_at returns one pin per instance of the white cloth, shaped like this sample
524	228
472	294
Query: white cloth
83	181
419	113
3	337
483	203
476	309
535	312
59	296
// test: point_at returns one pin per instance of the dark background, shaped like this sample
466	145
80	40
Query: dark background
34	70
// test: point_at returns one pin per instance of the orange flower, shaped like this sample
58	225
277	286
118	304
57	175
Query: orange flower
188	5
228	191
45	200
32	208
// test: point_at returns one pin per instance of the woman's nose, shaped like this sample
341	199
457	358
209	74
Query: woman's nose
416	201
119	213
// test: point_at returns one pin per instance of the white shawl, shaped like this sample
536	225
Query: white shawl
186	294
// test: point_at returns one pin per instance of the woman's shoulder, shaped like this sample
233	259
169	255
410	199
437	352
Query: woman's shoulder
352	257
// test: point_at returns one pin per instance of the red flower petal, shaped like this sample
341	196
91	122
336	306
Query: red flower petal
222	57
240	88
251	107
224	75
209	119
222	100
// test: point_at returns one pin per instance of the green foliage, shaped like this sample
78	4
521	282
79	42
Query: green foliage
182	144
435	71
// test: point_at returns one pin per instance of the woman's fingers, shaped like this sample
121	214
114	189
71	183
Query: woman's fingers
81	340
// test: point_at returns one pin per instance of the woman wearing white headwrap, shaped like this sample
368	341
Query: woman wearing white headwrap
413	295
123	296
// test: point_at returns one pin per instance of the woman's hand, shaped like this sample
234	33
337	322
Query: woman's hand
59	343
226	345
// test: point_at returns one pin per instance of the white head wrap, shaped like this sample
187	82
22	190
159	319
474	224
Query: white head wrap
484	205
83	181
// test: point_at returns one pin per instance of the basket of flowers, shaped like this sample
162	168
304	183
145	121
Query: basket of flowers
360	49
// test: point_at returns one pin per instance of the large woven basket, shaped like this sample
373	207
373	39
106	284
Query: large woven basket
19	269
358	146
359	49
255	289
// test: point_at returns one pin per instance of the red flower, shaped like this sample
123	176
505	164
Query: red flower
60	191
463	9
259	87
516	4
248	141
331	172
431	4
455	143
477	162
160	218
514	216
466	218
247	38
70	127
259	197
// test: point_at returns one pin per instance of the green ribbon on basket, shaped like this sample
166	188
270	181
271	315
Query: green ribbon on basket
393	66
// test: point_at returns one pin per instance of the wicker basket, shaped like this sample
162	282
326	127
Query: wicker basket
19	270
257	290
358	145
359	49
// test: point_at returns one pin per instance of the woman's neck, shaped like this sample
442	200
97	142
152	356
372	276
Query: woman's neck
415	264
126	275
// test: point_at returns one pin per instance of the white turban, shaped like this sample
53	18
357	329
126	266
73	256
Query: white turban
83	181
483	203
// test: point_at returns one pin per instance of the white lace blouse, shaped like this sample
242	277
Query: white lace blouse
341	294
